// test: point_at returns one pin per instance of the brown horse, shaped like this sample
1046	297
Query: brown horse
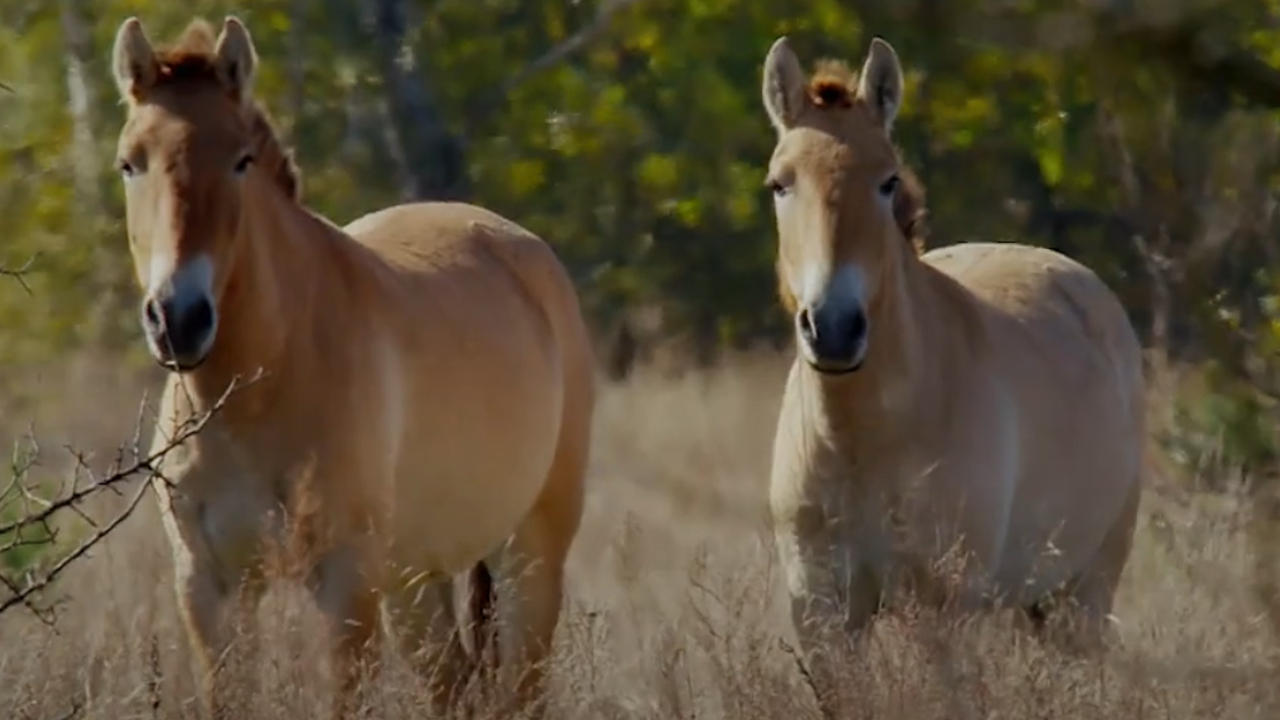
985	398
425	370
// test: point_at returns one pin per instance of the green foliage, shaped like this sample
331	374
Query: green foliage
26	546
640	156
1226	432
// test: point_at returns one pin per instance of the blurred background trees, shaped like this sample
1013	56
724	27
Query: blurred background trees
1139	136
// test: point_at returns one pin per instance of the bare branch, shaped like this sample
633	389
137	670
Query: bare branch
20	274
570	45
22	593
558	53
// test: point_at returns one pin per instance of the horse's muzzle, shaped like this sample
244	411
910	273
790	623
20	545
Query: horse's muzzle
179	334
833	340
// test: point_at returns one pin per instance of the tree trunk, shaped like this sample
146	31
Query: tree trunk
80	102
431	157
111	269
297	64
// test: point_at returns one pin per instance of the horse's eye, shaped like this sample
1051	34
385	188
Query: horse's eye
777	188
243	163
124	167
889	186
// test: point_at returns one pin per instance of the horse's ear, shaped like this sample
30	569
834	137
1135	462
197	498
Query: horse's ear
784	90
133	61
236	58
880	83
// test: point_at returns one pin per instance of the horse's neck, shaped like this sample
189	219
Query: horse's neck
890	394
267	305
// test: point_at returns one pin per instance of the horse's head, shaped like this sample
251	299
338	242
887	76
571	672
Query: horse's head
844	204
190	140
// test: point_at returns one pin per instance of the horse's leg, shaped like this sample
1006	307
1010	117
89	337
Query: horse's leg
530	577
349	600
200	600
530	592
202	604
1092	593
820	633
245	636
481	599
426	624
833	601
205	592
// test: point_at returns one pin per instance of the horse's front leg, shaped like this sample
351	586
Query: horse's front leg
347	595
833	600
215	617
205	593
200	605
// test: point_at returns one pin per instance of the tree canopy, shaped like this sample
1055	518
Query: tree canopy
1140	137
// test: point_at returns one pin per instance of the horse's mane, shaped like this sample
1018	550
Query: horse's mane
834	86
190	59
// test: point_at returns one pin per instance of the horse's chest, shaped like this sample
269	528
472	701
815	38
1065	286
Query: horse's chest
223	515
836	526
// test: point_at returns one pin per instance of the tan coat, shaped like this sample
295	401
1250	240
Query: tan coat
980	398
427	388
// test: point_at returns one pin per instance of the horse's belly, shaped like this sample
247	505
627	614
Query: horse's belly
457	500
1075	479
1061	515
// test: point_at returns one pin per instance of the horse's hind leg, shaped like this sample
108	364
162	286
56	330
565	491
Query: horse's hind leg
529	596
1090	596
425	622
530	577
480	603
1095	591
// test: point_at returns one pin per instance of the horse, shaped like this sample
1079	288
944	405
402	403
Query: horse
422	377
980	403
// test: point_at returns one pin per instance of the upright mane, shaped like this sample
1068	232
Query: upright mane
833	86
189	60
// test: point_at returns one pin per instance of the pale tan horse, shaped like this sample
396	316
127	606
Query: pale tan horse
426	371
985	398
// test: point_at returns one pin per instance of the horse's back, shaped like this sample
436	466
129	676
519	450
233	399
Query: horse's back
436	237
1062	346
443	249
1038	297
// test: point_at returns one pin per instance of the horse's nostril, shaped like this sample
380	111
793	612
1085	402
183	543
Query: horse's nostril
151	313
858	324
201	315
804	319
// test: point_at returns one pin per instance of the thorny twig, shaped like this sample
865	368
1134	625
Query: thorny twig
148	465
806	674
20	274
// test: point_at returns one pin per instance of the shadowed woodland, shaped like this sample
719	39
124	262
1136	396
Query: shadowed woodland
1141	137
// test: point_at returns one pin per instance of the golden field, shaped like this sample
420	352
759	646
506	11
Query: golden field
674	608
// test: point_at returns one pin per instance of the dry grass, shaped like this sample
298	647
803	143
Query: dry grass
674	611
